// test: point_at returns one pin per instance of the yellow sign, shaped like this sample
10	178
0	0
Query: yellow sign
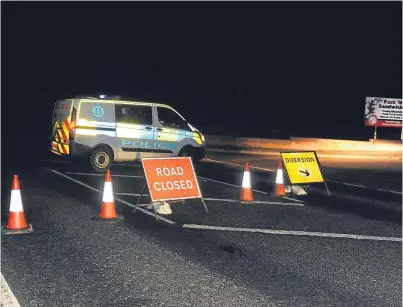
302	167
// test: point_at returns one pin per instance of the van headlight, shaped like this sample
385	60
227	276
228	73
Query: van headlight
202	137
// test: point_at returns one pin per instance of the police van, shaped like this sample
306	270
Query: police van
103	130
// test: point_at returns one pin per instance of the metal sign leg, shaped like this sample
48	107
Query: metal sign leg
155	212
205	206
375	132
138	199
292	192
289	181
327	189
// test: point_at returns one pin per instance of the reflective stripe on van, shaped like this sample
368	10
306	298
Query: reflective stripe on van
61	125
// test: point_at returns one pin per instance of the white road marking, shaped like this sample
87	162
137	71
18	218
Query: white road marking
116	198
355	185
263	202
131	194
364	187
294	233
333	181
237	186
133	176
7	296
395	192
228	200
266	231
289	198
103	175
229	184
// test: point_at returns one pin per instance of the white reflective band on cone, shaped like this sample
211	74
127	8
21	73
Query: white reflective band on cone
246	180
16	201
108	193
279	176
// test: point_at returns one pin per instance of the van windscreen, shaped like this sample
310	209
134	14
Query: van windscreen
61	110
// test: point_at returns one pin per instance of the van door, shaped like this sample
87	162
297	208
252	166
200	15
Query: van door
170	130
135	131
61	120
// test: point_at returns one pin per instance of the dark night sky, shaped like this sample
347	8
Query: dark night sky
305	67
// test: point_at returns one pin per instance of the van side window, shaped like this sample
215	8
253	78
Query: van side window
61	110
129	114
171	119
97	111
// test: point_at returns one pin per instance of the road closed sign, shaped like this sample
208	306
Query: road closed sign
171	178
302	167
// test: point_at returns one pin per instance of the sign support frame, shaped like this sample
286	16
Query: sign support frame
288	178
138	200
327	189
324	180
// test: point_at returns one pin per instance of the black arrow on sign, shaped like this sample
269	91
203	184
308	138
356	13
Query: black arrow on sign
305	172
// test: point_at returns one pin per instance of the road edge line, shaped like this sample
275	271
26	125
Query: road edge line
8	298
95	174
327	180
293	232
229	184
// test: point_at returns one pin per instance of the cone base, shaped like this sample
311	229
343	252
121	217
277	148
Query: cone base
279	190
246	195
117	219
8	231
279	195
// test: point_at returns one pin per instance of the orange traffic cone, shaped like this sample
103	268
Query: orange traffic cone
16	219
246	190
108	209
279	184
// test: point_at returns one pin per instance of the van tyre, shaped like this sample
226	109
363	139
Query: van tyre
101	159
188	152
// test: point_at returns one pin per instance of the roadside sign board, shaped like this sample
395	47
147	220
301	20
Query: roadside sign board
383	112
302	167
171	178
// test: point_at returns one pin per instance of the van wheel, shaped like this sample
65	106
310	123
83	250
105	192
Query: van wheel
101	159
187	152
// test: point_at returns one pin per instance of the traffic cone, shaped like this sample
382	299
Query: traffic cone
279	184
16	218
108	209
246	190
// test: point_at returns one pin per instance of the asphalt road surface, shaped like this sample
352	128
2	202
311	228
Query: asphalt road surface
319	250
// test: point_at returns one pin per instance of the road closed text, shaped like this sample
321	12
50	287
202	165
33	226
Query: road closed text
171	185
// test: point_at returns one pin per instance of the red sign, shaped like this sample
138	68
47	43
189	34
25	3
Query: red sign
171	178
383	123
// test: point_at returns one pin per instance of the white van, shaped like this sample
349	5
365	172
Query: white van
104	130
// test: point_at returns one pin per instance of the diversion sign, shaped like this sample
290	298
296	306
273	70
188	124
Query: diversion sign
302	167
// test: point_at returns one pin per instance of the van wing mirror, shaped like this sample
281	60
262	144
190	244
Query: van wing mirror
187	127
